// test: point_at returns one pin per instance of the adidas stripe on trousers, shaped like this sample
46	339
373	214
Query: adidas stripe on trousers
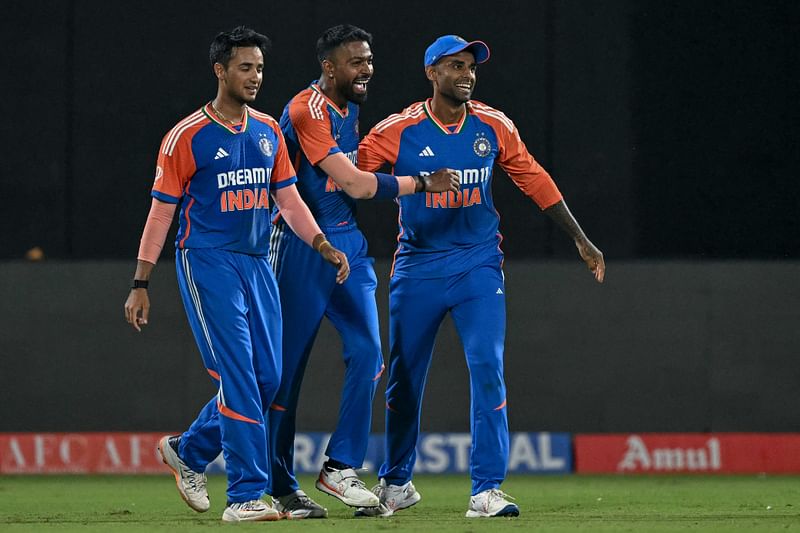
231	300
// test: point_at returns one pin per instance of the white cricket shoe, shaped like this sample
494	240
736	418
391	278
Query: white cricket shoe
492	502
393	498
345	485
252	511
299	505
191	484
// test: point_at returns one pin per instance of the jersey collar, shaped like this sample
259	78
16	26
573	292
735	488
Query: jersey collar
315	87
208	110
443	127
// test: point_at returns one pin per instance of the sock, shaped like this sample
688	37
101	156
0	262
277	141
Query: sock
333	464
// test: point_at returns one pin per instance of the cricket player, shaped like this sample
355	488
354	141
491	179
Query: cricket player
449	259
222	163
320	125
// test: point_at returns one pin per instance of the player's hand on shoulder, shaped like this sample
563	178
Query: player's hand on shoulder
137	308
442	180
593	258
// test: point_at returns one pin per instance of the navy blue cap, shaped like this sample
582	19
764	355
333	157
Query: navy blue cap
447	45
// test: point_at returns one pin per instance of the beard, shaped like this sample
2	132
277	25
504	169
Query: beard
351	95
456	97
357	99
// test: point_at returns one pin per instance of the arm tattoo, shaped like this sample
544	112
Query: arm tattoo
560	213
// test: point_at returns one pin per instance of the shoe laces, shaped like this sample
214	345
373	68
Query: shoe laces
350	476
378	491
196	480
300	501
500	495
357	483
252	505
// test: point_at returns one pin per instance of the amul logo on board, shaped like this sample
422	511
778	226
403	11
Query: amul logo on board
639	457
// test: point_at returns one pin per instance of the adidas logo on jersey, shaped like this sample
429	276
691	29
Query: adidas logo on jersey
427	152
221	153
499	291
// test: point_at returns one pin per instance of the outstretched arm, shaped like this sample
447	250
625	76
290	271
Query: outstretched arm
537	184
591	255
364	185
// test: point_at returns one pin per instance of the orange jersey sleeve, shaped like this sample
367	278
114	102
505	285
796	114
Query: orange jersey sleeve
175	165
382	144
311	122
282	169
514	158
379	147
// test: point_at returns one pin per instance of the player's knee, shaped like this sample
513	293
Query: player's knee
366	360
269	390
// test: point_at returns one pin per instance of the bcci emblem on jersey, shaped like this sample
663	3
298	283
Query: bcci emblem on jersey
482	146
266	146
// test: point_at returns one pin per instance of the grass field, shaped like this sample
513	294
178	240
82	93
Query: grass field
563	503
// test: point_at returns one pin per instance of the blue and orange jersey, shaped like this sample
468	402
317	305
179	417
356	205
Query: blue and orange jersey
441	234
314	128
222	176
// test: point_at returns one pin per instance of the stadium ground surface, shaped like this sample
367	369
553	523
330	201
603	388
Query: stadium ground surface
547	503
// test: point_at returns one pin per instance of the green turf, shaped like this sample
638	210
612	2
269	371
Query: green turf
558	503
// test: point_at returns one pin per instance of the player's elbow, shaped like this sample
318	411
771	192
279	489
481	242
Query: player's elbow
362	193
353	188
360	186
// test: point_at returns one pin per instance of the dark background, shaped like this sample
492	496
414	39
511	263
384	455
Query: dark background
672	129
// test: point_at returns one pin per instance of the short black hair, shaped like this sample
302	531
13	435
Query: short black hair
223	44
338	35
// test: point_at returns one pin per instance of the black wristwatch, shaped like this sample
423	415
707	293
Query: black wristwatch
139	284
421	181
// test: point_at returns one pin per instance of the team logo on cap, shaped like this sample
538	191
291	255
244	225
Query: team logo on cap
482	146
266	146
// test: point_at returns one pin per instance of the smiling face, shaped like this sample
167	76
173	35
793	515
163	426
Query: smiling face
349	67
241	79
454	76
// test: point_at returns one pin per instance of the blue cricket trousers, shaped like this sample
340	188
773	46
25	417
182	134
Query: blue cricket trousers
476	302
231	300
309	292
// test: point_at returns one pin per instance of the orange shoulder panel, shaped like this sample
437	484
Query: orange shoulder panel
308	112
262	117
514	158
282	168
382	143
176	165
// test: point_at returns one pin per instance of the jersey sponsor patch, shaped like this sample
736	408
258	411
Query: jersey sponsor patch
244	176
